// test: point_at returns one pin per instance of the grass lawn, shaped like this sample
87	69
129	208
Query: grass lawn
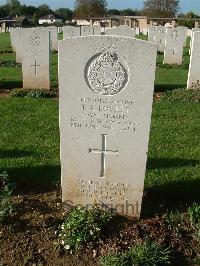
29	139
29	149
167	78
29	153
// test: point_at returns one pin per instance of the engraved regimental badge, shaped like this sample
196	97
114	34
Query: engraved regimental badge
35	39
106	75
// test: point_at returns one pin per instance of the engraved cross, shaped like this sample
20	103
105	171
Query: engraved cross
35	66
103	151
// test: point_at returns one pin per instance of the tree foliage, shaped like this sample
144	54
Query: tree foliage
161	8
85	9
64	13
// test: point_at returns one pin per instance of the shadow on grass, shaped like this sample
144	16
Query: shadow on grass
10	84
154	163
170	197
34	179
15	154
168	87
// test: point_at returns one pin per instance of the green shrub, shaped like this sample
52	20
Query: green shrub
114	259
142	254
182	95
149	253
34	93
175	221
5	196
194	214
83	225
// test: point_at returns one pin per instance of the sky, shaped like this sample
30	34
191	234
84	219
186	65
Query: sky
186	5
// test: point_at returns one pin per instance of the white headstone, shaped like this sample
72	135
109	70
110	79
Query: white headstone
183	31
70	31
121	32
138	31
87	30
194	69
36	59
18	44
160	35
53	38
97	30
13	39
152	33
174	43
105	114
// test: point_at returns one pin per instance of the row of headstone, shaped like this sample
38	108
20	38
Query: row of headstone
17	40
123	30
170	41
32	46
72	31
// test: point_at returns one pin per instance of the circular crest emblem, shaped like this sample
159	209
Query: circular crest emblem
106	75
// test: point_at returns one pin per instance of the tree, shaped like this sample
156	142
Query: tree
161	8
14	7
129	12
42	10
113	12
65	13
84	9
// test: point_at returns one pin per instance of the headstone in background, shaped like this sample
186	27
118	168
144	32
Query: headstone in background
36	59
196	24
152	33
194	69
121	32
71	31
60	30
137	31
18	44
97	30
174	42
13	39
160	35
105	115
145	31
87	30
53	38
183	31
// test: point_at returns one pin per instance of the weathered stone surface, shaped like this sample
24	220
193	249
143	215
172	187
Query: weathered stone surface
18	44
160	36
87	30
121	31
53	38
175	38
194	69
36	59
70	31
97	30
105	114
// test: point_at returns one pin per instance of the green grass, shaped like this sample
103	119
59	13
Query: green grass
29	148
166	78
29	141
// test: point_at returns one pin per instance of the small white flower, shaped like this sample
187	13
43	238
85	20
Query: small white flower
91	232
67	247
62	242
62	226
